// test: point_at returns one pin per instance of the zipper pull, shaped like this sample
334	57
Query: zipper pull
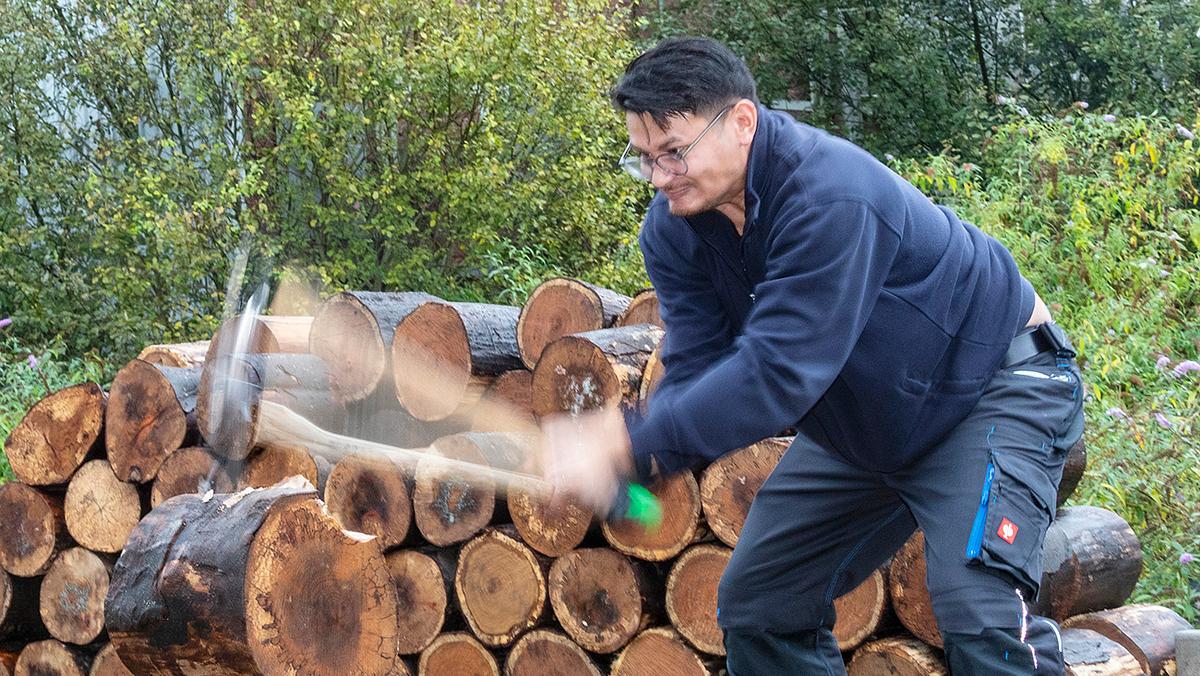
753	298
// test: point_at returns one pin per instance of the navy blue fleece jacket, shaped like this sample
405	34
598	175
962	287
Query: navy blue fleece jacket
851	307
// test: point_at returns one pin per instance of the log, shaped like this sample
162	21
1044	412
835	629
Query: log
188	470
506	405
100	509
32	529
500	586
544	651
72	596
261	581
1073	469
457	654
679	497
651	376
179	355
691	597
658	652
8	661
51	658
271	464
909	592
371	495
352	331
1147	631
57	434
560	307
266	334
1087	653
551	529
108	663
728	486
444	355
588	371
1091	560
896	656
19	617
380	418
642	309
603	599
863	612
151	413
447	508
423	588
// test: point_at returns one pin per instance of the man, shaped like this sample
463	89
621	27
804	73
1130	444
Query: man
804	284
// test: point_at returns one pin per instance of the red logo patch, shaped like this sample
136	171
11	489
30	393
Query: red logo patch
1007	531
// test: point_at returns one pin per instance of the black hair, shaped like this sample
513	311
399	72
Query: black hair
683	75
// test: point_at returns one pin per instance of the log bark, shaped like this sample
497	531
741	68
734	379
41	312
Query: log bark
371	495
179	355
658	652
457	654
19	617
352	331
1087	653
444	355
1147	631
588	371
100	509
108	663
448	509
691	597
898	656
863	612
560	307
603	599
507	404
1073	469
51	658
271	464
910	594
72	596
57	434
500	586
679	497
32	529
1091	560
544	651
188	470
552	529
151	413
651	376
642	309
728	486
423	591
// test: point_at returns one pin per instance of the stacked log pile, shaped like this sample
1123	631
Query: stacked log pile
142	537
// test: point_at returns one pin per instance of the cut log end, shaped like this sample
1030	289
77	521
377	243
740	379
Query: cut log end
658	652
506	405
56	434
500	585
691	597
32	529
72	596
861	612
1147	631
447	508
188	471
643	309
728	486
910	594
272	464
552	529
431	361
679	496
179	355
899	656
51	658
543	651
599	598
457	654
1087	653
101	510
151	413
556	308
420	597
593	370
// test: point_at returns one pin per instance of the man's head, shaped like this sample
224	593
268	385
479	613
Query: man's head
690	96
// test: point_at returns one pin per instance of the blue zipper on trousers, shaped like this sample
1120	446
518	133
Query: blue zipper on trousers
975	542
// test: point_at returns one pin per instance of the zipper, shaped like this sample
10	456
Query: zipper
975	542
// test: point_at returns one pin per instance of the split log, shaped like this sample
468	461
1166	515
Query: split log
108	663
179	355
500	586
506	405
51	658
588	371
651	376
863	612
188	470
560	307
642	309
544	651
352	331
371	495
1073	469
898	656
552	529
262	581
271	464
72	596
32	529
446	507
679	496
909	592
100	509
1147	631
691	597
457	654
444	355
19	617
658	652
57	434
728	486
151	413
1087	653
1091	560
423	588
603	599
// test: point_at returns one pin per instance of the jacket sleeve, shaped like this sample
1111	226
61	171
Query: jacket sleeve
825	268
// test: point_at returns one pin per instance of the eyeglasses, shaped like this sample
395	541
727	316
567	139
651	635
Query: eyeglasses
641	166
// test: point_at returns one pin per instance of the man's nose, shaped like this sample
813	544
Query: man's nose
659	178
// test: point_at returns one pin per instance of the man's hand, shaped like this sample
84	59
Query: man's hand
587	456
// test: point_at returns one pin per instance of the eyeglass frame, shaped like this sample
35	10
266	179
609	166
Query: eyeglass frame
679	154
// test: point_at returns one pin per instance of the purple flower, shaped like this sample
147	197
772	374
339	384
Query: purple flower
1116	412
1185	559
1162	362
1109	118
1162	421
33	362
4	323
1022	111
1186	366
1082	105
1184	132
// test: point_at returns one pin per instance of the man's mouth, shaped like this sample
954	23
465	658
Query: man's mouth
676	193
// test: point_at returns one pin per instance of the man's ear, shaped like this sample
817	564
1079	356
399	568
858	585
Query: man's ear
744	120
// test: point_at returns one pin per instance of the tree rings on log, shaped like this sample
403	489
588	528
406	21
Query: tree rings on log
56	435
642	309
19	617
151	413
52	658
691	597
271	464
862	612
100	509
1091	560
108	663
552	529
422	587
500	586
543	651
651	376
1087	653
899	656
446	507
728	485
179	355
1147	631
909	592
602	599
679	496
457	654
188	470
32	529
1073	470
506	405
371	495
445	354
598	369
72	596
659	652
560	307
